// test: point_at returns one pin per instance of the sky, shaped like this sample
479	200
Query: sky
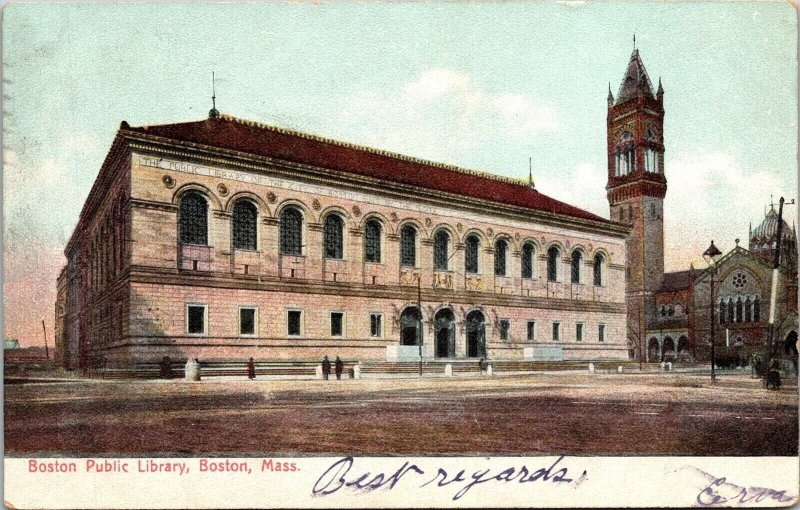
480	85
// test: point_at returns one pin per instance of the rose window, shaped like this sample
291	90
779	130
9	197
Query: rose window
739	280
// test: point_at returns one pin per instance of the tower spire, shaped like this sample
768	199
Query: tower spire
634	41
610	96
213	113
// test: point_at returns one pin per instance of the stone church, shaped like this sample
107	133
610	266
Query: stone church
669	313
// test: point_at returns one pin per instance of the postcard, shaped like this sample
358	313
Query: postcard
420	255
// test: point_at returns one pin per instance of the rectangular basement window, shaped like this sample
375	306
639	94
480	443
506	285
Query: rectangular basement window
579	332
531	330
556	331
247	320
601	333
294	319
196	319
375	325
505	326
337	321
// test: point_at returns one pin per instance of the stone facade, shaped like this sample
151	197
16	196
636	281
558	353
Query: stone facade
636	189
133	290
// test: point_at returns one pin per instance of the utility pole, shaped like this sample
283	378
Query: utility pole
419	317
46	350
775	277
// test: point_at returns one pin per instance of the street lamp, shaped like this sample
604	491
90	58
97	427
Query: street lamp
712	255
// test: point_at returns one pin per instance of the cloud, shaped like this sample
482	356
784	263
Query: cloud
444	115
710	195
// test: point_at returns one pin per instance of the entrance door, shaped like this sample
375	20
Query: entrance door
445	332
476	335
410	331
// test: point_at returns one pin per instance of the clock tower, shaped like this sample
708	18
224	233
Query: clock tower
636	189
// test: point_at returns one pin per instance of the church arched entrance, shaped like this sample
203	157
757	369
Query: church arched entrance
683	348
445	333
410	326
652	349
476	335
790	344
668	352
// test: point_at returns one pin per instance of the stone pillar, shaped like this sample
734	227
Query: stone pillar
426	262
219	238
514	271
487	269
391	259
356	251
269	245
313	251
456	265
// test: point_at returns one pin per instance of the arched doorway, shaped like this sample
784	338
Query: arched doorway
668	352
790	344
683	348
445	333
410	326
476	335
652	349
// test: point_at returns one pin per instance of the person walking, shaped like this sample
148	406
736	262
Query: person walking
339	367
326	368
251	369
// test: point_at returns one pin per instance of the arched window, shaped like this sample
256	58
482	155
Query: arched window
291	231
245	217
721	311
576	266
756	309
625	160
471	254
748	310
408	246
441	243
193	219
527	260
739	309
671	311
372	241
500	250
731	316
333	237
552	263
598	269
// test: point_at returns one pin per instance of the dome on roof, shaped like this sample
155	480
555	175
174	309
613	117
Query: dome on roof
768	230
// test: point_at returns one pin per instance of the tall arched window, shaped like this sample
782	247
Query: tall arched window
756	309
739	309
245	217
527	260
552	263
441	243
598	269
576	266
500	250
333	237
471	248
748	310
721	311
193	219
731	313
625	160
291	231
408	246
372	241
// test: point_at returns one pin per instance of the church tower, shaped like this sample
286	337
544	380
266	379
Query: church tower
636	189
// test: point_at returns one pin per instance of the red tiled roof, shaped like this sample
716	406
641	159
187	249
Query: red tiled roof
262	140
677	280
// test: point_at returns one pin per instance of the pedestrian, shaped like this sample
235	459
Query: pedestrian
326	368
251	369
481	366
339	367
166	368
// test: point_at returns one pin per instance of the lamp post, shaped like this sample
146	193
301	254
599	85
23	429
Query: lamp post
711	256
